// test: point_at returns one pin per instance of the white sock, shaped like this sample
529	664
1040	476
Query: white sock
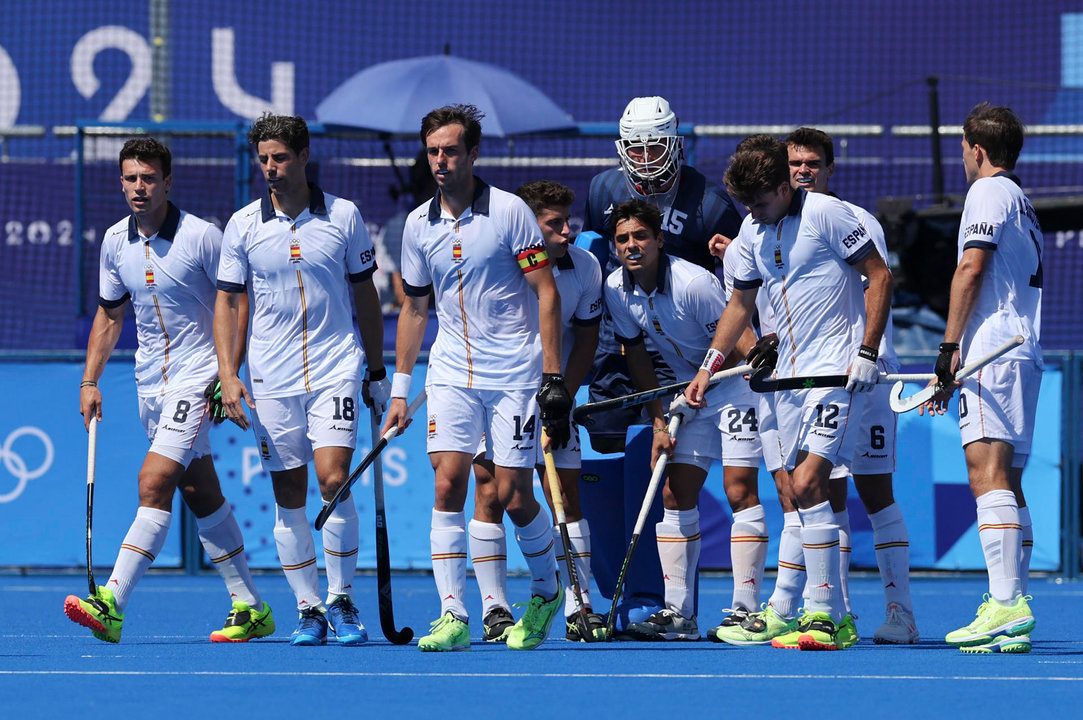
221	538
791	568
141	545
489	555
820	541
579	535
1001	542
892	544
1028	548
340	540
679	543
536	543
748	553
842	519
297	553
448	543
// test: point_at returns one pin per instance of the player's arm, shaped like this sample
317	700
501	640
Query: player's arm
581	357
732	325
543	284
413	318
641	371
104	333
227	327
877	297
370	322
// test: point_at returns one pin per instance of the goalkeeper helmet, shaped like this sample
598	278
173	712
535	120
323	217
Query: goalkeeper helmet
650	150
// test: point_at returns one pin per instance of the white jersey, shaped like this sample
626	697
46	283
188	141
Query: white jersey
170	280
997	216
579	283
763	306
887	342
677	319
476	264
302	336
804	264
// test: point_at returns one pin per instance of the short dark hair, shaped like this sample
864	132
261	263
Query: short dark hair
759	141
541	194
751	173
292	130
998	130
466	115
812	139
145	149
641	210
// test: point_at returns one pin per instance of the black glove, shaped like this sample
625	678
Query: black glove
213	393
555	404
944	374
764	353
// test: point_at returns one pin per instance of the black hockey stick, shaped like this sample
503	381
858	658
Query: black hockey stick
582	620
762	382
644	510
91	462
900	404
582	413
383	552
344	489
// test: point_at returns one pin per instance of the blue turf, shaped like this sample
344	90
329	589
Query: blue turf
50	667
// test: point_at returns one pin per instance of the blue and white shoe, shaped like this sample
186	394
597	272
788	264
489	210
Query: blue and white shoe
343	619
311	628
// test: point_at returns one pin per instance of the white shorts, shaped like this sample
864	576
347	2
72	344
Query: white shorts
874	453
569	456
999	403
769	442
698	441
176	423
288	429
822	421
458	417
739	423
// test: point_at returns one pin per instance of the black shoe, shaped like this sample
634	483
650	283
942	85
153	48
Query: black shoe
497	624
595	622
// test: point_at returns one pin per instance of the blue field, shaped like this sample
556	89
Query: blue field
164	665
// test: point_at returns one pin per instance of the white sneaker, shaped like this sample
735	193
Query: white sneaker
898	629
665	625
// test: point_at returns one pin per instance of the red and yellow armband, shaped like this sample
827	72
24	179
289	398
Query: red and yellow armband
532	258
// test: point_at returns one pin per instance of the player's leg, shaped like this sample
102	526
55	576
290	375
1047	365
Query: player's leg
748	537
837	496
892	545
489	552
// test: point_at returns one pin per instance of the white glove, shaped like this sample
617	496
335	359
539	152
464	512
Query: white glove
680	406
376	393
864	373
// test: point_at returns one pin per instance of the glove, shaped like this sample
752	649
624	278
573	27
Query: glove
213	393
680	406
863	372
945	374
376	390
764	353
555	404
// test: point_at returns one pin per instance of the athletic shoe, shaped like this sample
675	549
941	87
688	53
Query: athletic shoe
994	619
791	639
244	623
595	624
497	624
445	635
1001	644
665	625
898	629
821	633
734	619
533	626
98	612
847	635
343	620
758	628
311	628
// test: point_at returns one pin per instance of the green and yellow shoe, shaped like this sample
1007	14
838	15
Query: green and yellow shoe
533	626
847	635
1001	644
821	633
992	620
758	628
790	640
98	612
244	624
446	634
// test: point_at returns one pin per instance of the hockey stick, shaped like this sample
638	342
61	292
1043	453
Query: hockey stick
383	553
582	413
648	500
344	489
900	404
91	462
762	382
582	621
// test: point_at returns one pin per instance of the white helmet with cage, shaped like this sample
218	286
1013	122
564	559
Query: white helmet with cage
650	150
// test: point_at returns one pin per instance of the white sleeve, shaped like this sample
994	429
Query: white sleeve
590	299
415	271
210	251
360	252
984	214
110	286
233	264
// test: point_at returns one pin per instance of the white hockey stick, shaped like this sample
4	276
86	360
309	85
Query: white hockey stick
900	404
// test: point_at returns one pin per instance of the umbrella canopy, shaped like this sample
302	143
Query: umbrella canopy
393	96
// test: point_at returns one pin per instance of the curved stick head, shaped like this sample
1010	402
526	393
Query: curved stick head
759	381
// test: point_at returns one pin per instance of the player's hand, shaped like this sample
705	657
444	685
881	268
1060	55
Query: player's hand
680	406
864	373
376	390
213	393
717	245
947	363
764	352
90	404
234	397
661	442
696	389
396	417
555	403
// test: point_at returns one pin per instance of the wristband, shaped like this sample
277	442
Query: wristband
712	361
948	347
659	431
88	383
868	353
400	385
375	375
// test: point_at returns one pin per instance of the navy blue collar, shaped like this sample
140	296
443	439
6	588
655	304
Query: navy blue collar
1011	176
565	263
316	203
797	201
167	231
479	205
663	272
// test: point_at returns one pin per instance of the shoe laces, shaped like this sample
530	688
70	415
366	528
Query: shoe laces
347	609
532	609
310	618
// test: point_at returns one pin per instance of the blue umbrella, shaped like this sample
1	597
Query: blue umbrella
392	97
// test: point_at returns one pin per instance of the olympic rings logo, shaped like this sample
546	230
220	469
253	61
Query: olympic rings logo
15	464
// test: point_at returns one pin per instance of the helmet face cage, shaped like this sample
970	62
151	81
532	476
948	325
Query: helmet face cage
650	150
